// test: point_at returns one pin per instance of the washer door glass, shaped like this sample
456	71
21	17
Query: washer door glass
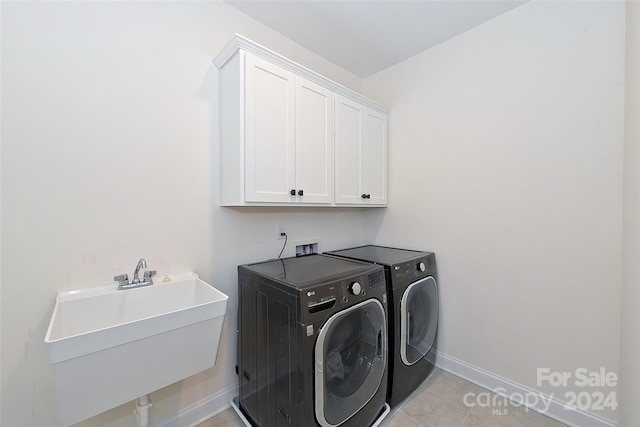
350	361
418	320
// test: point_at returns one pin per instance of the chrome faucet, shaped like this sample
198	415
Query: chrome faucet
141	264
123	279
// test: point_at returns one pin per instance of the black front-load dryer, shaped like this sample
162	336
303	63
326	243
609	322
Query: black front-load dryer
312	344
413	313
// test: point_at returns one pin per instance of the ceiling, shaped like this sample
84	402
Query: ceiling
367	36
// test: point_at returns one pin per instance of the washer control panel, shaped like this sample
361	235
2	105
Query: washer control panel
419	267
318	301
377	280
355	288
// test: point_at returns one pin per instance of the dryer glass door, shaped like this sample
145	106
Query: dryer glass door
418	320
350	361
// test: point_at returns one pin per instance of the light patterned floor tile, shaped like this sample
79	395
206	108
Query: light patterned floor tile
443	400
227	418
399	419
429	409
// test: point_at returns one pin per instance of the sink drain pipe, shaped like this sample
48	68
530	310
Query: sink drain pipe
143	403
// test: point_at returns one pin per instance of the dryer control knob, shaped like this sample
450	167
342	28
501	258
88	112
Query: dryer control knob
355	288
422	267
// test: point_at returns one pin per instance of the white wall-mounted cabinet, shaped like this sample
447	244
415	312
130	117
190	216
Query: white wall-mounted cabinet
279	123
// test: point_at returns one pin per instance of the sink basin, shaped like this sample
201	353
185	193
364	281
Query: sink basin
108	347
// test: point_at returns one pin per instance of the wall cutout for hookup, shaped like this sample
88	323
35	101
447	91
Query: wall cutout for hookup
307	249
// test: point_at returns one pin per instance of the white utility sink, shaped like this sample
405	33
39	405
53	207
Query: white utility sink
108	347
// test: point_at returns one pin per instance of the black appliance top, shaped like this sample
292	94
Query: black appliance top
308	270
379	254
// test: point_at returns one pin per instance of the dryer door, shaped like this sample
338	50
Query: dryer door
418	320
350	361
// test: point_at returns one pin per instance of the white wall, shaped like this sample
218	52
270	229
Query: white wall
630	349
510	142
109	154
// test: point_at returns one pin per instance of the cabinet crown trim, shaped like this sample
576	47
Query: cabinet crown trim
239	42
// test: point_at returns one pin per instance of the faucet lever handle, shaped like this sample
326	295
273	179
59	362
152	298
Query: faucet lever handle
148	274
122	279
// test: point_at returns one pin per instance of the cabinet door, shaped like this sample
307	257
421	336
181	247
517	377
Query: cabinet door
374	157
314	142
269	132
348	146
361	154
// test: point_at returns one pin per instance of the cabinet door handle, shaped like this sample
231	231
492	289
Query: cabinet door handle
292	192
300	193
364	196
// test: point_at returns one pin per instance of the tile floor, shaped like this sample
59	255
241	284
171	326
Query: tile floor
440	402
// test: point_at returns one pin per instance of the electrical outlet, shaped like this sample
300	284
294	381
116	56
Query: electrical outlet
282	230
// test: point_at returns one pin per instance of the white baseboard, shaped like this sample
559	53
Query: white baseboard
505	387
203	410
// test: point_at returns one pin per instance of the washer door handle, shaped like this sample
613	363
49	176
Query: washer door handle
379	349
